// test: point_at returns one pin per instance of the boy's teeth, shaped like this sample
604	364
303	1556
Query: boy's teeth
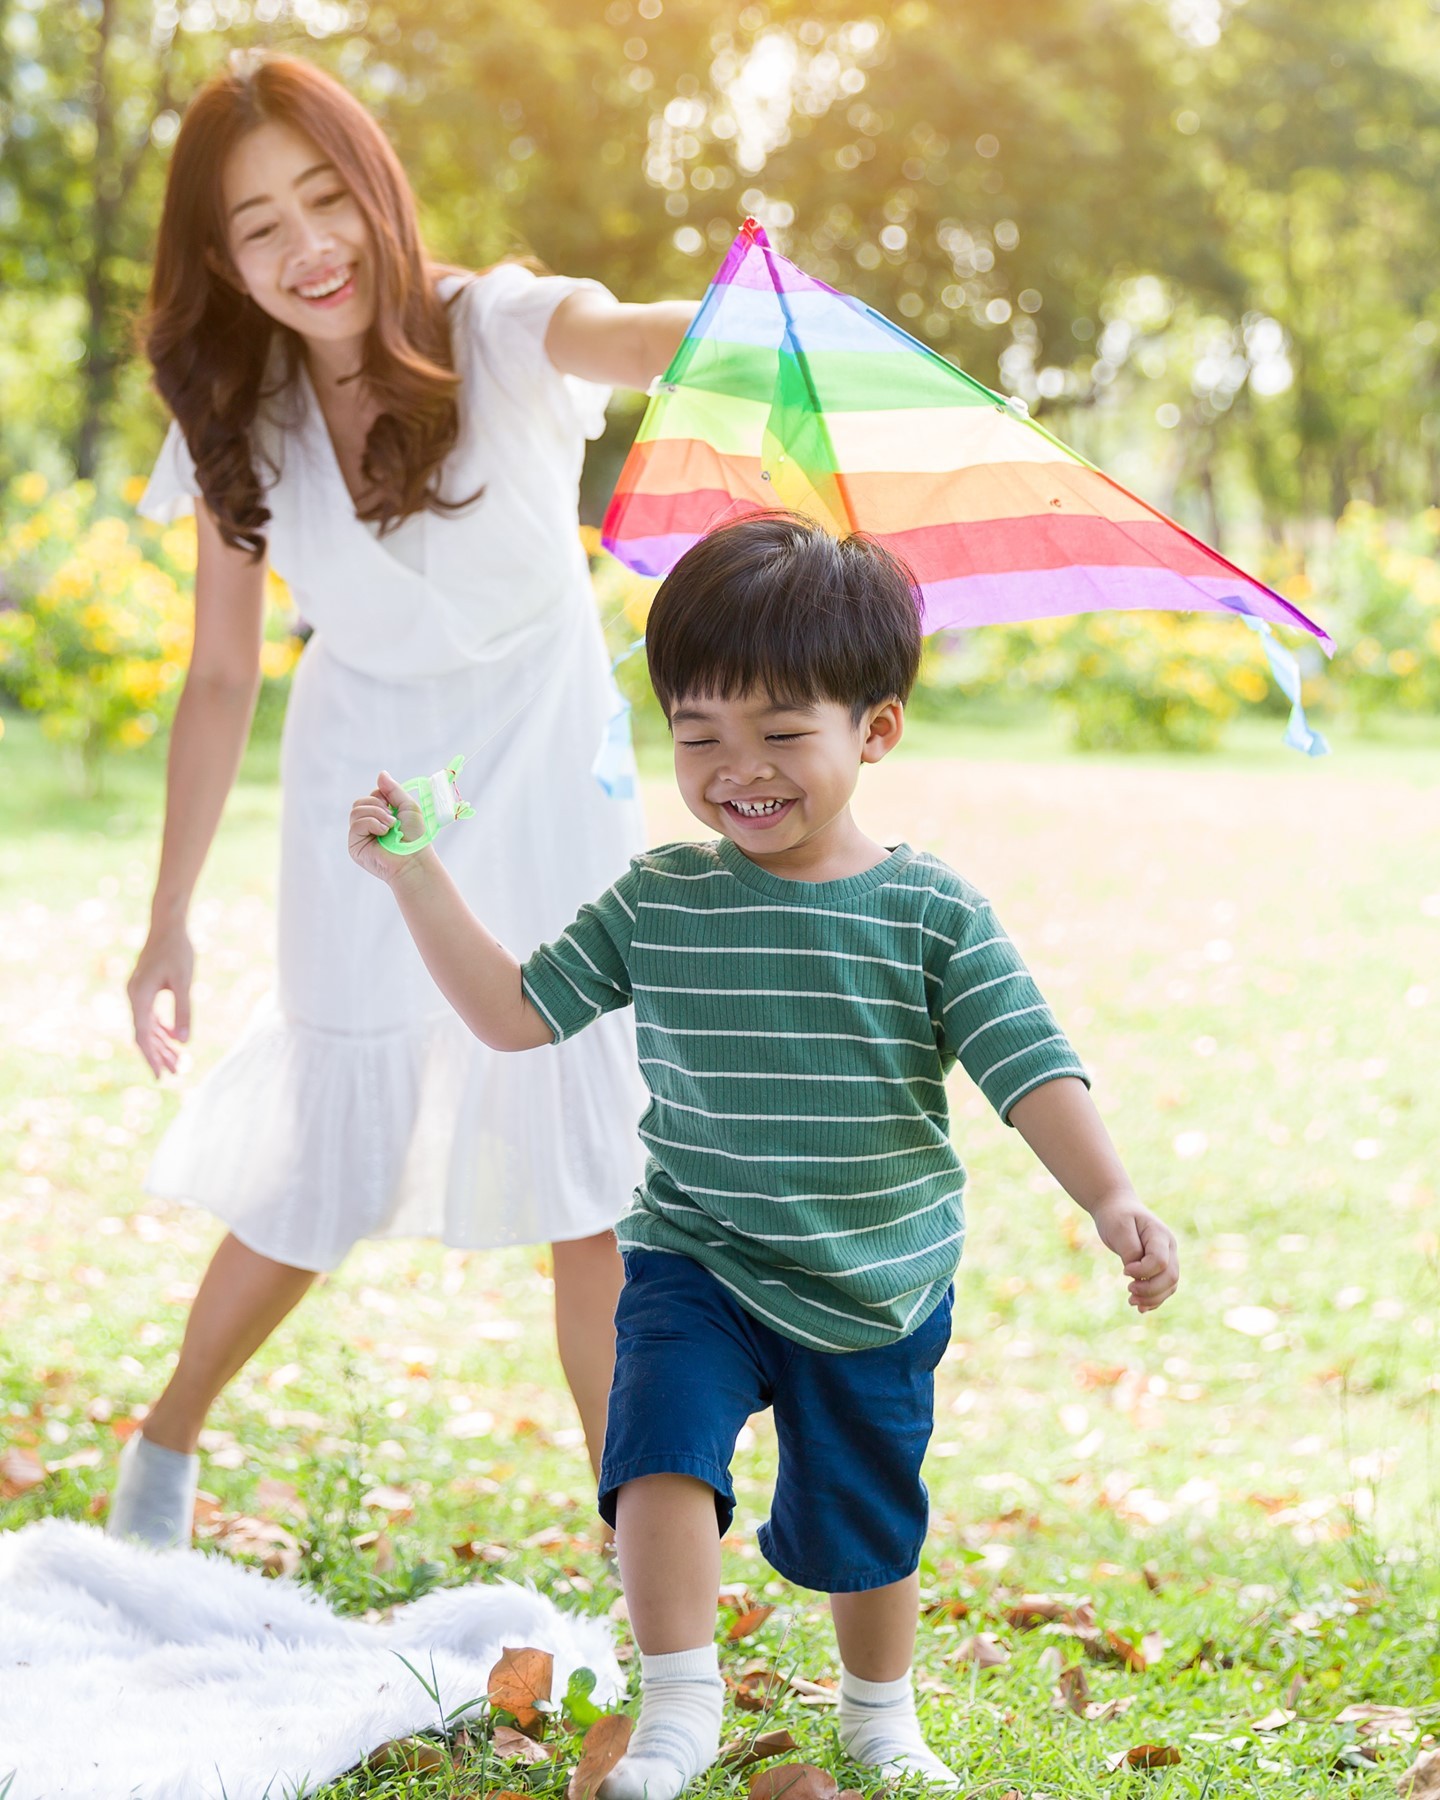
756	809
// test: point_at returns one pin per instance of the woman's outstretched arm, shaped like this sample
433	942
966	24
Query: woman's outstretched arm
207	740
603	340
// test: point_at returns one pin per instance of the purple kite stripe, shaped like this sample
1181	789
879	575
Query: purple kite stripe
966	601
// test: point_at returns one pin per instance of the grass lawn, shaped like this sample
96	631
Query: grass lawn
1246	949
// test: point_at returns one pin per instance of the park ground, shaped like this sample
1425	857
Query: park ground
1245	1487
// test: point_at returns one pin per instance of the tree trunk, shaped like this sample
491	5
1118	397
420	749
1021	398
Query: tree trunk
98	369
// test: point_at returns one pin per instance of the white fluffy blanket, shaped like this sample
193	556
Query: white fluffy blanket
132	1674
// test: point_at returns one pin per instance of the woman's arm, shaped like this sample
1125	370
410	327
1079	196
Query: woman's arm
602	340
207	740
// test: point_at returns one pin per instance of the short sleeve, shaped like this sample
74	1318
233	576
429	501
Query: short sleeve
508	311
586	971
172	490
993	1018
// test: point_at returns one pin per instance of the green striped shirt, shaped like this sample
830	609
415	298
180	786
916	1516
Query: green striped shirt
795	1037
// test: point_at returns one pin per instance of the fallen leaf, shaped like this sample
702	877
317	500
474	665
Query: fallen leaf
794	1781
758	1689
1143	1756
1350	1758
1072	1689
1111	1647
1153	1578
388	1499
813	1693
749	1748
1152	1648
520	1684
1031	1610
277	1549
748	1621
415	1754
605	1743
514	1746
19	1472
475	1551
1421	1781
1097	1712
986	1650
948	1609
1387	1724
1274	1721
274	1495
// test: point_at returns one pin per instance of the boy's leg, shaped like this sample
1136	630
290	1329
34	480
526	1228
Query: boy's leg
587	1285
690	1368
670	1566
849	1518
878	1727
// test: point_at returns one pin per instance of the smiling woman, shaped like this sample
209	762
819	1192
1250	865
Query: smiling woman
405	442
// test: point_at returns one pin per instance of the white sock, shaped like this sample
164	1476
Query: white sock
154	1498
878	1727
681	1696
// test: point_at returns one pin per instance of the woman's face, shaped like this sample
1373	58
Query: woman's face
297	238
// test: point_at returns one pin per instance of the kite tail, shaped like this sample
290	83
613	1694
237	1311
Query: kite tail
1299	734
614	765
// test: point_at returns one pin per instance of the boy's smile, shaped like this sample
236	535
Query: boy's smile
776	777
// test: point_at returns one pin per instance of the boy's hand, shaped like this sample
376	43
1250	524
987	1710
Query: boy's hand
1145	1245
371	818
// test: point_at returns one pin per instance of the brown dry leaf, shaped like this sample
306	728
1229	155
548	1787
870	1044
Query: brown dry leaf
19	1472
277	1549
274	1495
855	1794
749	1748
1097	1712
1072	1689
1153	1578
1152	1648
1031	1610
814	1693
1143	1756
794	1781
986	1650
1372	1720
758	1688
748	1621
605	1743
1421	1781
514	1746
520	1684
415	1754
1274	1721
549	1537
1114	1648
475	1551
948	1609
391	1500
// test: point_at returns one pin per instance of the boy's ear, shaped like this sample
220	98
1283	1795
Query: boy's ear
883	731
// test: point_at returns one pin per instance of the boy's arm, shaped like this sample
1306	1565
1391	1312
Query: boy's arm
475	973
1059	1122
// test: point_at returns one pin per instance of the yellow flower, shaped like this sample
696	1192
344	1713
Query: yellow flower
31	489
278	659
132	491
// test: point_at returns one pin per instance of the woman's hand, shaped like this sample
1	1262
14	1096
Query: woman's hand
166	965
372	816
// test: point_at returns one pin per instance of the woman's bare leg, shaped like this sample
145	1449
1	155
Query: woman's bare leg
242	1299
587	1285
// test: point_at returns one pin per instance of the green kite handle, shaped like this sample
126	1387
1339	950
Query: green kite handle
440	804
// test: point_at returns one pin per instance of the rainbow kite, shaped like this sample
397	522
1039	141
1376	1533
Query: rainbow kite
786	392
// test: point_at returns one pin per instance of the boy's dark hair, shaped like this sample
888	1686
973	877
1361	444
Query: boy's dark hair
774	602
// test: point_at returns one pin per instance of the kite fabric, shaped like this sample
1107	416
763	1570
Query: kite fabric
786	392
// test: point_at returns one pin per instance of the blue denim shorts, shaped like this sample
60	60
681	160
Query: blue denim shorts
849	1510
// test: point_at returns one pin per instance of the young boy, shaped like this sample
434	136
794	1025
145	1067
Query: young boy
800	995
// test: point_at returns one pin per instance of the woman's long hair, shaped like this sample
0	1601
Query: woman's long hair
210	344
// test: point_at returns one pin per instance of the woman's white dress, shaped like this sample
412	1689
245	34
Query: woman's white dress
357	1104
